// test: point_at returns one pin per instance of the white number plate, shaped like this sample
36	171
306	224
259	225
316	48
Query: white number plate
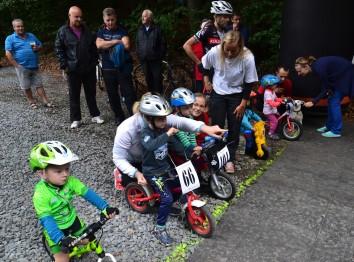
223	156
187	177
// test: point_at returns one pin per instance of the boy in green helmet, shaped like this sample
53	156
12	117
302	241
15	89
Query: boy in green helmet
54	194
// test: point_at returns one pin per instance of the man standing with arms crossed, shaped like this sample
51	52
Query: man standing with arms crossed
22	52
77	53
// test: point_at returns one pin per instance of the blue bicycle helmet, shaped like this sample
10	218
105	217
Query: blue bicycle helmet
181	97
269	80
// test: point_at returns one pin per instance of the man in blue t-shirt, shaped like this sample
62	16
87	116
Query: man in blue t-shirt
113	42
22	52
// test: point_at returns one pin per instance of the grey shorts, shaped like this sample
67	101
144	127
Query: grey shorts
28	78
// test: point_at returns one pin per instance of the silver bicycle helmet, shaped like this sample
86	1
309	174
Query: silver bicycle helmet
154	105
181	97
221	8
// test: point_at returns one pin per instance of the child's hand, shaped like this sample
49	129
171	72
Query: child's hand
65	244
109	212
197	151
172	131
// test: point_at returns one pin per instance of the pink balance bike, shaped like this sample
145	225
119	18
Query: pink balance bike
289	126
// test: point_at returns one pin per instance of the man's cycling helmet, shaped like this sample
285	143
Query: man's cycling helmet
154	105
50	152
221	8
269	80
181	97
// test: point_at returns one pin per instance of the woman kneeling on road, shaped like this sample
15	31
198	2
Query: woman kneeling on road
234	75
127	149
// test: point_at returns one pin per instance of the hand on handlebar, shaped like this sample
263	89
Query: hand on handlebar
141	179
109	213
172	131
197	151
308	104
65	244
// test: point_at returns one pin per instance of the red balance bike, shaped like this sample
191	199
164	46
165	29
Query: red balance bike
142	199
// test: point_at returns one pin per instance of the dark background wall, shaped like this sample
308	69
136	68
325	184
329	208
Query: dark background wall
318	28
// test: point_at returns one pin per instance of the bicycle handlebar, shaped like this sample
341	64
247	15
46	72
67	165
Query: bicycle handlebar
91	229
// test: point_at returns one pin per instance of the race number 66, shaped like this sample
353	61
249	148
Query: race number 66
188	177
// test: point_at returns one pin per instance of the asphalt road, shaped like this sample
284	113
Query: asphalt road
301	209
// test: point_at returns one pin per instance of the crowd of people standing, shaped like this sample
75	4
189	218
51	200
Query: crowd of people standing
224	61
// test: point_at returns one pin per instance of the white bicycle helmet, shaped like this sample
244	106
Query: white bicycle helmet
50	152
154	105
181	97
221	8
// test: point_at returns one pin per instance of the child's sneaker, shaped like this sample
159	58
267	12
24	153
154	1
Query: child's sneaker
162	236
322	129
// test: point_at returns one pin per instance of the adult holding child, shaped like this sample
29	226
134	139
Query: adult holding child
127	149
113	41
77	54
234	76
337	77
21	50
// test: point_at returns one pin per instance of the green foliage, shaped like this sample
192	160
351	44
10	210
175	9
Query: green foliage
179	254
220	209
264	20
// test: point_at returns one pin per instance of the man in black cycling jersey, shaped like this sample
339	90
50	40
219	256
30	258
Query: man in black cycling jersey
212	33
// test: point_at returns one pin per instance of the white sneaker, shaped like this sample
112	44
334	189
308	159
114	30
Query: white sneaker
97	119
75	124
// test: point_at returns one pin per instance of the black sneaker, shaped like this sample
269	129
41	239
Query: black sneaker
162	236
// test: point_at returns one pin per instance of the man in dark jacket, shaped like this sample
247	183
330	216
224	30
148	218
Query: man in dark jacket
151	49
77	53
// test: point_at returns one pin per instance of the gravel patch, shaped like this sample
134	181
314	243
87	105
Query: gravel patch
128	236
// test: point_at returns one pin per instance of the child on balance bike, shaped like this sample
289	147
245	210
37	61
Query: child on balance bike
155	165
54	194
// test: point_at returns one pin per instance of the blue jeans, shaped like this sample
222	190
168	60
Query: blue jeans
163	187
334	120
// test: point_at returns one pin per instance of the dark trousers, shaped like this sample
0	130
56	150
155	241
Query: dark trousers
166	196
88	80
153	75
115	81
222	107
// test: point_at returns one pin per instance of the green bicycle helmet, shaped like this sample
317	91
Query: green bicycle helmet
50	152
